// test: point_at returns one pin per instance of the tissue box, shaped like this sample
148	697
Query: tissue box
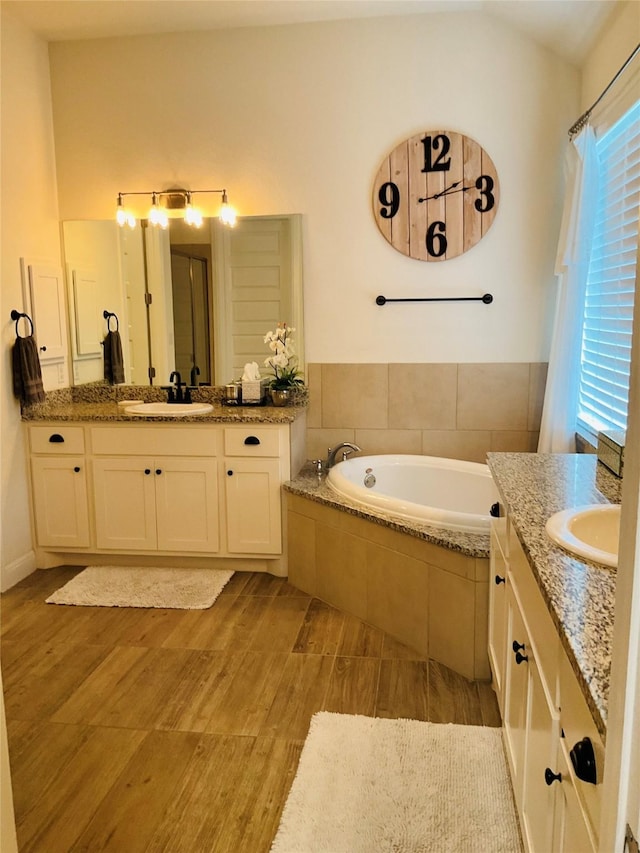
254	393
611	450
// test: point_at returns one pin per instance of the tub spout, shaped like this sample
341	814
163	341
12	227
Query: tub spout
345	447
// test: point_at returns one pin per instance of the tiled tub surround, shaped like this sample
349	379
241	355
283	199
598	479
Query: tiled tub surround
579	595
426	587
458	411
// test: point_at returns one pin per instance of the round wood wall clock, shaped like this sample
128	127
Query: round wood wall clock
436	195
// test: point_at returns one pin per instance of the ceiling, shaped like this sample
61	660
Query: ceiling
568	27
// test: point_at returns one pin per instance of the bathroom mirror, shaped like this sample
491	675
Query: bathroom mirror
196	300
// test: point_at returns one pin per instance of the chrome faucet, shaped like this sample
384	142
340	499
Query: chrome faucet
346	447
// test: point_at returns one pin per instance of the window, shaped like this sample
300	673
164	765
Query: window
608	312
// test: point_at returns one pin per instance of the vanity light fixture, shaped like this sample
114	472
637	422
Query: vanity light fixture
174	203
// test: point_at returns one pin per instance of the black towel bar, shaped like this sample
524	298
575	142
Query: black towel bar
17	315
107	316
487	299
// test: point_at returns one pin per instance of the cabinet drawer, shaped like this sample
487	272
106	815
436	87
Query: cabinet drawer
252	441
158	440
56	439
577	723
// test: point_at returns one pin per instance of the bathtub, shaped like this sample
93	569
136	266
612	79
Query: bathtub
444	493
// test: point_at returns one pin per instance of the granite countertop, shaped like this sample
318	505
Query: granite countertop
310	484
99	402
580	595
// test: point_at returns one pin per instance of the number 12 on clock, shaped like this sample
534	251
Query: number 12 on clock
436	195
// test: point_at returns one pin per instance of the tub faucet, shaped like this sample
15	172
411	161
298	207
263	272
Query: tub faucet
346	447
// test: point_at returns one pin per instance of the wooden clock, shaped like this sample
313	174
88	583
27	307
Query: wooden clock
436	195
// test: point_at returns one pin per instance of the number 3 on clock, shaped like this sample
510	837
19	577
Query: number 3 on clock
436	195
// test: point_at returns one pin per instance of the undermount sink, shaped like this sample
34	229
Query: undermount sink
591	532
172	410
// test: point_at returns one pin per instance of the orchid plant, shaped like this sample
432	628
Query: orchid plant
283	360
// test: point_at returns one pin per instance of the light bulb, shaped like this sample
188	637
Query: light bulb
123	216
192	216
158	216
228	215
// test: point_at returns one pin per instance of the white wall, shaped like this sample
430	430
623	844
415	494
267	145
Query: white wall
615	43
297	120
30	229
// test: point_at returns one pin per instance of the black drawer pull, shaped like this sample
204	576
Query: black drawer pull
147	471
498	580
494	512
43	349
516	646
77	469
56	438
584	761
229	473
550	777
158	470
252	439
520	658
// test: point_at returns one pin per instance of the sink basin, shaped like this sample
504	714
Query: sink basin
172	410
591	532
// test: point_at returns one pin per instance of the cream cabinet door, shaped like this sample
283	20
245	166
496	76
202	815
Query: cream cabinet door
253	511
60	501
570	832
516	694
187	504
125	503
497	617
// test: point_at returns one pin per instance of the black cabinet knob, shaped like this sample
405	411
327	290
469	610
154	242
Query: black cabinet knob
43	349
550	777
520	658
77	469
583	759
516	646
494	512
147	471
498	580
158	470
229	473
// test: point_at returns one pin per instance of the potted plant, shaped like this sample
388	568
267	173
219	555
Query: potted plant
284	364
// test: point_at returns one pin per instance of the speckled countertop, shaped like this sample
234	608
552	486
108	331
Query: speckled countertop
100	403
309	484
580	595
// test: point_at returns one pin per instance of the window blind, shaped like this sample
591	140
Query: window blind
608	311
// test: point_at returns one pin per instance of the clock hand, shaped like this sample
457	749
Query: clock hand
449	191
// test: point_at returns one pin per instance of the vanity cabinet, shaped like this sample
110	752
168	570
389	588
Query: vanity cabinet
201	489
156	503
59	487
252	490
544	711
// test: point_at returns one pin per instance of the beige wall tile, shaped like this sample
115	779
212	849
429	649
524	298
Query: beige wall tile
319	440
341	570
511	441
468	444
354	395
314	383
374	441
482	671
398	596
422	396
537	385
301	543
452	621
493	396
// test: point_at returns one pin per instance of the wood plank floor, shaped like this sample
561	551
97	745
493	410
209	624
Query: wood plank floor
172	730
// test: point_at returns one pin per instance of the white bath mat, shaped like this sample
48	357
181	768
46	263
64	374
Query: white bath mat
399	786
135	586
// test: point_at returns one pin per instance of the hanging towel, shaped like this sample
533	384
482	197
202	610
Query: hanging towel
113	361
27	375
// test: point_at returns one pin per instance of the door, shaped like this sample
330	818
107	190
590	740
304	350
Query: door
254	272
497	617
516	692
124	490
46	284
253	506
60	501
187	504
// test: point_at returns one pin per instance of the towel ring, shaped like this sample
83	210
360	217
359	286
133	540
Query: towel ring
17	315
107	316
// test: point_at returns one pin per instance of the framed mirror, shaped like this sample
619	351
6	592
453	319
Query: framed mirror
196	300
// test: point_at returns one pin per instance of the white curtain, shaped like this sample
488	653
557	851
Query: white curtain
558	427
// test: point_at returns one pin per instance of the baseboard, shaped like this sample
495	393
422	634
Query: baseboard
16	571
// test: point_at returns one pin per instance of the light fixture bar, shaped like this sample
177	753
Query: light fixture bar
173	199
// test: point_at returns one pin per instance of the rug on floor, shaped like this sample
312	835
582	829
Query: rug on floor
137	586
401	786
